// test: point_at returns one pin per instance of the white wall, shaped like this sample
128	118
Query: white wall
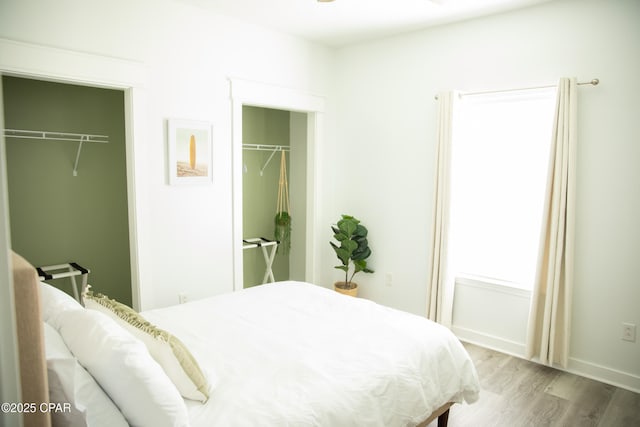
185	238
491	315
383	152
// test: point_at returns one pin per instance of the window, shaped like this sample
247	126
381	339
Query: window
499	173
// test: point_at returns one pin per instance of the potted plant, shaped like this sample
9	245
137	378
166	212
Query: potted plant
352	248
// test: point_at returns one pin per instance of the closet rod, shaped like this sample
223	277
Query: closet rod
265	147
261	147
58	136
80	138
592	82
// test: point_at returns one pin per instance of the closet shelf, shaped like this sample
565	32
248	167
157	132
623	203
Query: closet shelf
80	138
59	136
265	147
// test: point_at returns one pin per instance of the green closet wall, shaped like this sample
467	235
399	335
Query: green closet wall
259	193
56	217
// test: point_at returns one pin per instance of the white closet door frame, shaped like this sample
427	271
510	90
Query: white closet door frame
66	66
256	94
10	390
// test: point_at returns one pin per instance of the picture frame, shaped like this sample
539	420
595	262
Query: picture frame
190	152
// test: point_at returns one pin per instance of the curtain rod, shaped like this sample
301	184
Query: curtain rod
592	82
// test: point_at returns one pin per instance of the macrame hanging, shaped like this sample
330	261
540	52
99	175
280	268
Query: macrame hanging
283	218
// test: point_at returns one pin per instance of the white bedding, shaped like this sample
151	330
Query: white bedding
296	354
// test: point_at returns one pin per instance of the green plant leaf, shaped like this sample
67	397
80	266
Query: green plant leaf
361	253
349	245
347	226
361	231
340	236
360	265
342	254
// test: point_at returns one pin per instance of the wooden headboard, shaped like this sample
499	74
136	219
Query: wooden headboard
33	364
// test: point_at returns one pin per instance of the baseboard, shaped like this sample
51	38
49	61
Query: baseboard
492	342
604	374
576	366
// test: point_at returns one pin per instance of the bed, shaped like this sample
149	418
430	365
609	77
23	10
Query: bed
281	354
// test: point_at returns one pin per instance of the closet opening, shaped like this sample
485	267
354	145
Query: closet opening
67	191
274	176
305	119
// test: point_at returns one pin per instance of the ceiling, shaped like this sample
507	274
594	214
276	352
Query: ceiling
344	22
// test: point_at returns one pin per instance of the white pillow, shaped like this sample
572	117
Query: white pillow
70	384
54	301
174	357
124	369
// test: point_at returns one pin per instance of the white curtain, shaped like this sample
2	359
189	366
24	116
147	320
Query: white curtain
550	315
440	286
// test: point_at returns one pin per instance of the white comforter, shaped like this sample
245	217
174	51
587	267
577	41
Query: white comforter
296	354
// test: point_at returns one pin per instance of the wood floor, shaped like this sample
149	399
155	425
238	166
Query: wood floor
517	393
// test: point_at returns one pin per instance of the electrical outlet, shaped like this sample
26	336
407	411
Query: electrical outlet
182	298
629	332
388	279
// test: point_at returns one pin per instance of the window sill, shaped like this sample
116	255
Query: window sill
495	285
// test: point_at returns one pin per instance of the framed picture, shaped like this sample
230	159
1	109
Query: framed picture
190	154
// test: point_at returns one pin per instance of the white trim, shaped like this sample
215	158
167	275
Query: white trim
54	64
245	92
10	388
576	366
492	342
492	285
315	126
272	96
604	374
135	110
51	63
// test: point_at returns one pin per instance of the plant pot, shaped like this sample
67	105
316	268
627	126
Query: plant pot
339	287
